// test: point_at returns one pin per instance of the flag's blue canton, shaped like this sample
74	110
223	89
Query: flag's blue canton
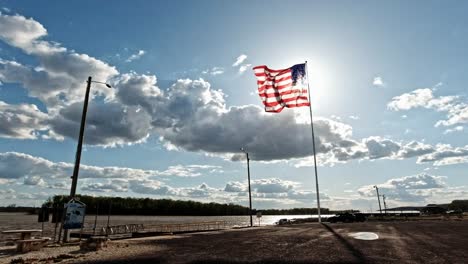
297	71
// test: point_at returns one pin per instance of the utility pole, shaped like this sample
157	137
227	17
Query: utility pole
80	141
248	178
66	234
378	198
384	204
76	168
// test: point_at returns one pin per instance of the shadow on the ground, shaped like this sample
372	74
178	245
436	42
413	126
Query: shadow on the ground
8	252
268	261
354	251
150	260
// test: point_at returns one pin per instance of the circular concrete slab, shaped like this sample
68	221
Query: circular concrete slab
364	235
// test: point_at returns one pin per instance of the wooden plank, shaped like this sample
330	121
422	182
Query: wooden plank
21	231
34	240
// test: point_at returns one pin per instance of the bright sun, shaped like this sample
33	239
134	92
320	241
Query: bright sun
319	83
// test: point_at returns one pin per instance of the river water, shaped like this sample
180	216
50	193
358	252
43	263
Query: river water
9	221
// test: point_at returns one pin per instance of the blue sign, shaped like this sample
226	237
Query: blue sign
74	216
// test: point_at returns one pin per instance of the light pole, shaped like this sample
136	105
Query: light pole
80	144
248	177
80	138
378	198
384	204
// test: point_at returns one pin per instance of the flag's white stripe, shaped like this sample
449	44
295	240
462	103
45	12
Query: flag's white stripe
273	74
259	70
273	108
298	101
276	83
282	97
287	91
283	90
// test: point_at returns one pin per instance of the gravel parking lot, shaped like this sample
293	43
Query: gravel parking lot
398	242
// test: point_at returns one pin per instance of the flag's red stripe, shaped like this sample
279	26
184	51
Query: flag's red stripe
274	111
264	87
298	105
277	93
285	101
285	78
268	69
268	81
272	75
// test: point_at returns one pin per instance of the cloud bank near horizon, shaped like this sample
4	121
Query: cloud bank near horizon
46	177
189	115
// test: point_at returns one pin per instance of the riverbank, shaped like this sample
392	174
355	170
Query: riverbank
398	242
12	221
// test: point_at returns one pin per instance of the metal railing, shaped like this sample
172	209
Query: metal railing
186	227
121	229
158	228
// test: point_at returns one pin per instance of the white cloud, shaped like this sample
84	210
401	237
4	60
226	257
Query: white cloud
189	170
60	76
236	187
214	71
272	189
354	117
14	165
189	115
239	60
244	67
151	187
108	124
457	111
455	129
381	148
34	180
451	161
445	154
420	189
203	190
21	121
273	185
114	186
416	98
414	149
378	81
136	56
335	117
406	189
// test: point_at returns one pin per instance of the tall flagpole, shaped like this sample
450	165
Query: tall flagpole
313	146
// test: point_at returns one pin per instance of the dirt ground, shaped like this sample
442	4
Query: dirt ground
398	242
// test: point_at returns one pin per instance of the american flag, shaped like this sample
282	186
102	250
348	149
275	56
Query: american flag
282	88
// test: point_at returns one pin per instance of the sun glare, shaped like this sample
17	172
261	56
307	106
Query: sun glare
319	83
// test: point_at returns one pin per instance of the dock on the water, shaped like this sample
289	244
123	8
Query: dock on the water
140	230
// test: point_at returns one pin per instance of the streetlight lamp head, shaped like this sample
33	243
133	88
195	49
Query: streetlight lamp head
108	85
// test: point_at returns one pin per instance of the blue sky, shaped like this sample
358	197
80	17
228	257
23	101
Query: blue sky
388	88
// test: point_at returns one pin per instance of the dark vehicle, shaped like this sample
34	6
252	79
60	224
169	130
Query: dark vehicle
360	217
283	221
347	218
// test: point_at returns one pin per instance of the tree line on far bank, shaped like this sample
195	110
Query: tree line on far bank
148	206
